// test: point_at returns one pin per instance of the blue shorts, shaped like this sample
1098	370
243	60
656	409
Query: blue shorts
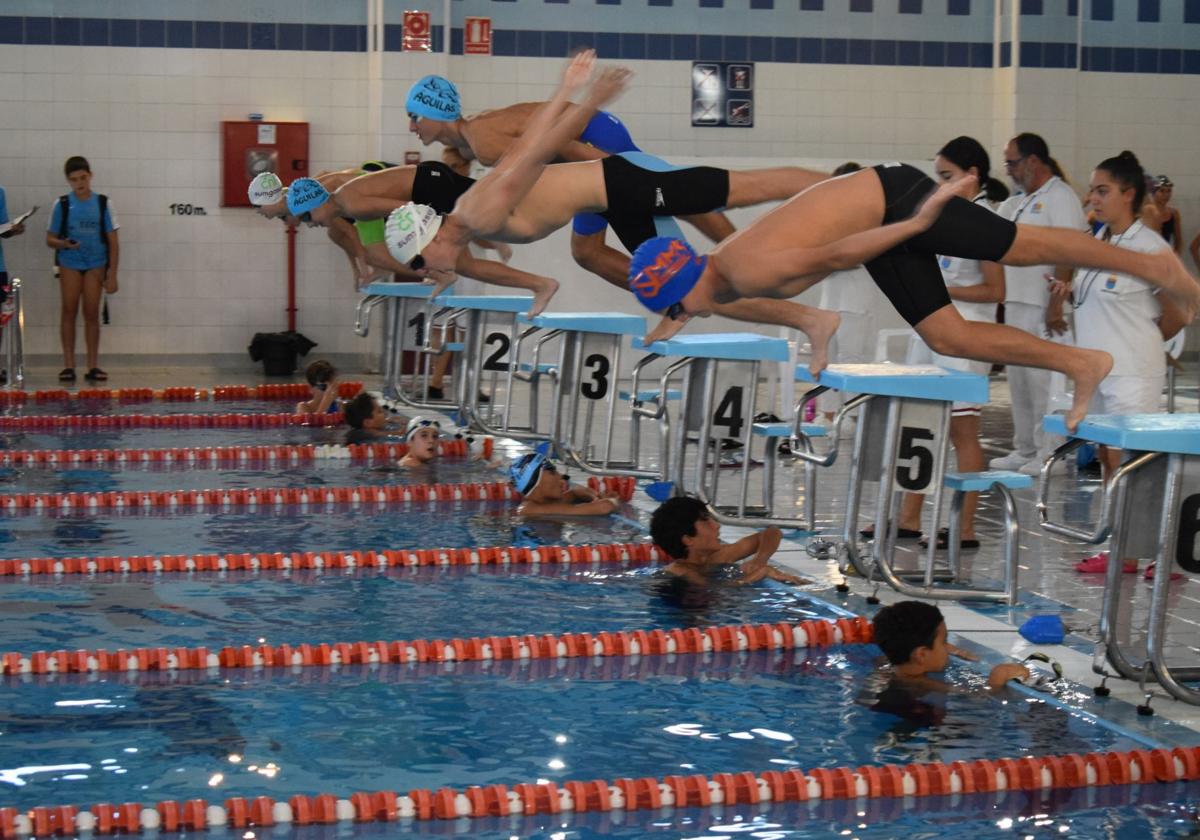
608	134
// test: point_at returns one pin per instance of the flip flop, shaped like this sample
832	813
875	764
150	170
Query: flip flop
66	375
96	375
943	541
901	533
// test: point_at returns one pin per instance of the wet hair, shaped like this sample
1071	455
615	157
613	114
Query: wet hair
905	626
359	409
847	167
967	152
1128	173
1032	145
675	519
75	163
319	371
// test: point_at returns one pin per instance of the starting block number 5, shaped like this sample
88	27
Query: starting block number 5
918	450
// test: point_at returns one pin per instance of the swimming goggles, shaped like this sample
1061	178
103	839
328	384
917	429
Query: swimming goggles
414	117
1040	680
675	311
416	263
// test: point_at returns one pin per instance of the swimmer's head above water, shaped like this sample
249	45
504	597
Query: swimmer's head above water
308	201
431	101
269	197
527	473
663	274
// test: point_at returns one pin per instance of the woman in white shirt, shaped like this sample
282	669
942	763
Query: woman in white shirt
975	288
1121	314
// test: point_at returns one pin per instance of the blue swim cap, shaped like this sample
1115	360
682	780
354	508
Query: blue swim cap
434	98
663	270
305	194
525	471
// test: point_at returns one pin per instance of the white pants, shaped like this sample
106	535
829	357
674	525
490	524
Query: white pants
853	343
1030	387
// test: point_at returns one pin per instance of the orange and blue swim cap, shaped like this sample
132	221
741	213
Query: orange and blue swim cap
663	270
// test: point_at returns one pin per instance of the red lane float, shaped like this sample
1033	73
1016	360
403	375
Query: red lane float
287	391
262	496
208	455
104	422
343	559
782	635
625	794
622	487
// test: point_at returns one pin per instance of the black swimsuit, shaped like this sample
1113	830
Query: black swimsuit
438	186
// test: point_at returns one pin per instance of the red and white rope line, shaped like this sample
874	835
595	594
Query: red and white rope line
198	500
728	637
284	391
348	559
206	456
107	422
746	788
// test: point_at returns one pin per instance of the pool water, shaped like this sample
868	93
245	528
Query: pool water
315	527
478	724
213	610
70	439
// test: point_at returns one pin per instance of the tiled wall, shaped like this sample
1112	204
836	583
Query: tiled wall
141	87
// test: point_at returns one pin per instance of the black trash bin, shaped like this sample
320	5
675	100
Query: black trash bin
278	351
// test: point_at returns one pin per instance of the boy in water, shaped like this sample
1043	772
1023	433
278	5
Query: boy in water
368	421
548	492
322	378
422	437
683	528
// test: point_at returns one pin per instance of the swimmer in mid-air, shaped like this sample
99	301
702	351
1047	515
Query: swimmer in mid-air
892	219
524	199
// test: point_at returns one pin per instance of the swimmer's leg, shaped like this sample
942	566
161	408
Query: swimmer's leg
946	332
754	186
716	226
1056	246
592	253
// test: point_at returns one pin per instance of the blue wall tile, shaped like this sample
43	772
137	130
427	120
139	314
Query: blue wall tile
1191	61
710	48
1072	8
908	53
1102	9
316	36
661	2
1170	61
658	46
981	54
1191	11
235	35
883	52
737	48
761	48
683	47
1101	60
208	35
1124	59
95	32
933	53
67	31
122	32
1147	60
152	33
633	45
456	41
554	43
958	7
607	44
709	4
1149	11
181	34
787	50
834	51
1030	54
529	42
1006	53
862	5
504	42
1031	7
859	51
598	2
910	7
263	36
812	5
12	30
290	36
810	51
1054	54
958	54
762	4
393	37
39	30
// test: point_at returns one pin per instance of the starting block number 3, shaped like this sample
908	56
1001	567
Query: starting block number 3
918	450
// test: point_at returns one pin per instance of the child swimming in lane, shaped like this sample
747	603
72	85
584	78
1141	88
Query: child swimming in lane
322	379
369	422
422	436
549	492
684	529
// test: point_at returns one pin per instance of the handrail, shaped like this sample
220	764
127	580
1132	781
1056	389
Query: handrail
1102	528
362	325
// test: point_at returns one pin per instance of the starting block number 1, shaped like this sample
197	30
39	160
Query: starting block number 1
918	450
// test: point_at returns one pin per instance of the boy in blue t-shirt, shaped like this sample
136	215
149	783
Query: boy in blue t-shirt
15	230
86	252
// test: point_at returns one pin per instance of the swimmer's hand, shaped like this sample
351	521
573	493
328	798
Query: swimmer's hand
1001	674
963	187
440	280
578	71
962	654
610	84
667	328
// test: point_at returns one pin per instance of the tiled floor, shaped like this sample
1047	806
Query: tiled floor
1048	581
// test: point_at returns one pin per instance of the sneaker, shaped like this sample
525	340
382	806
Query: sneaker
1033	468
1098	564
1011	461
1150	573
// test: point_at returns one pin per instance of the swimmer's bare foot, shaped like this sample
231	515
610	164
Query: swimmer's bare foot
1088	369
820	329
542	294
666	328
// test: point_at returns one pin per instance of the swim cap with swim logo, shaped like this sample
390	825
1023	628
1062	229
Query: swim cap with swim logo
409	229
305	195
663	270
434	98
266	188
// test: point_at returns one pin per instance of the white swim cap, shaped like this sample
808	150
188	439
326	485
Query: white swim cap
409	229
266	188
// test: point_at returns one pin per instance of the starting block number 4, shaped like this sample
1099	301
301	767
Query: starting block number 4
730	411
918	450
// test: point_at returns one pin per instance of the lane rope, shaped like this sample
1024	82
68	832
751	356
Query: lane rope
280	391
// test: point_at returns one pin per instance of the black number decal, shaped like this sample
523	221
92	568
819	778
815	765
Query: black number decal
729	412
1189	528
598	365
417	322
923	455
496	360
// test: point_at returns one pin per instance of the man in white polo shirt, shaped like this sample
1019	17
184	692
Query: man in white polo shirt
1047	202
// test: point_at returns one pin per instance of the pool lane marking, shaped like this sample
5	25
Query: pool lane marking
658	642
332	559
995	776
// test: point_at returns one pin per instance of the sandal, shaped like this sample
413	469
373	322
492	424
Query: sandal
96	375
66	375
943	541
868	533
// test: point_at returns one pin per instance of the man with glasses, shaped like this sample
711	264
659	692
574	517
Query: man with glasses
1028	304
